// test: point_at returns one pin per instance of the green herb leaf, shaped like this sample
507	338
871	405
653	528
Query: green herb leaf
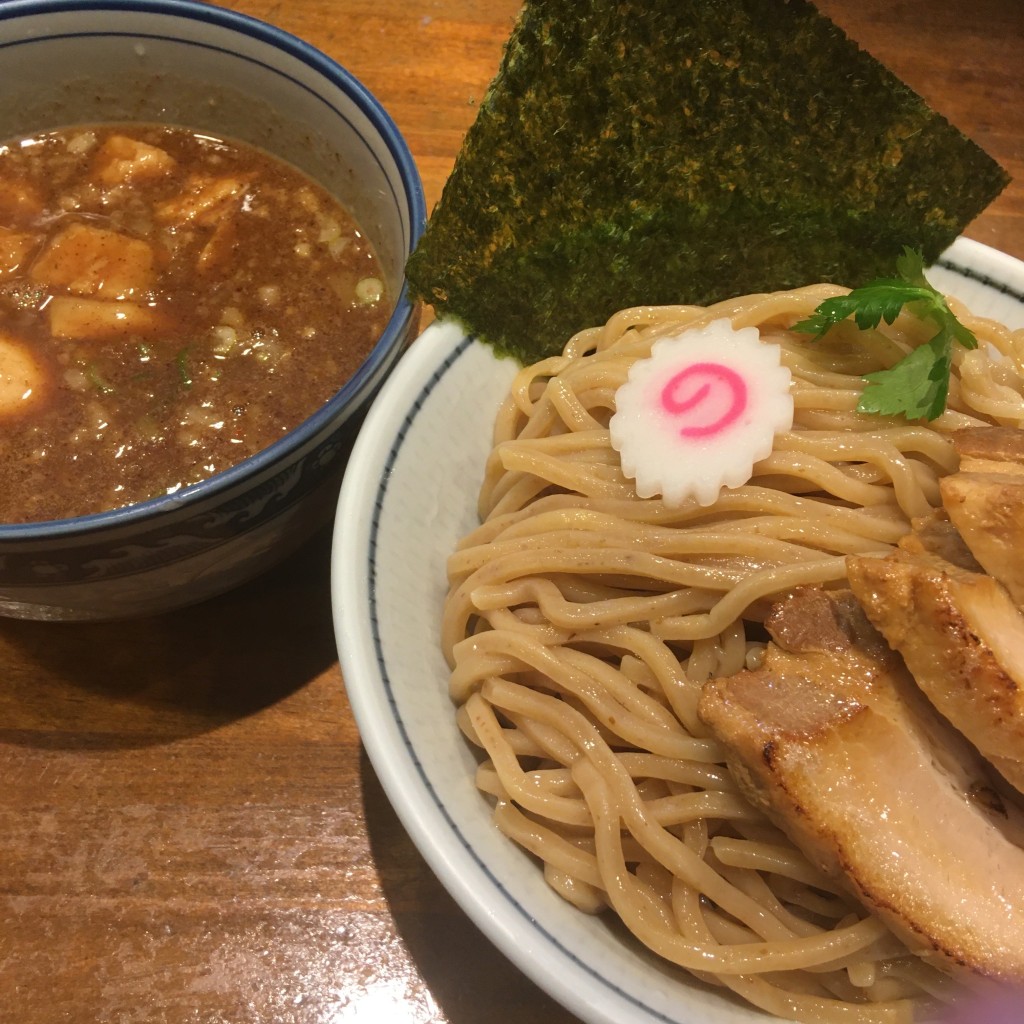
96	378
184	373
917	386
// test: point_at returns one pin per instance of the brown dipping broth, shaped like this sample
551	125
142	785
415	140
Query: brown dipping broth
170	304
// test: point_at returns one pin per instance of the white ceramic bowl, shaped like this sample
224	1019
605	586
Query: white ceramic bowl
409	494
73	61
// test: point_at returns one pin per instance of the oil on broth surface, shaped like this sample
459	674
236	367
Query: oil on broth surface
170	304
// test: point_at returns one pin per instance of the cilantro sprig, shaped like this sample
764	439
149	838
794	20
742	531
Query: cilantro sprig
917	386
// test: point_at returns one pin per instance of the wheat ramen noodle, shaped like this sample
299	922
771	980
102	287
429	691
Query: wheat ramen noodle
582	621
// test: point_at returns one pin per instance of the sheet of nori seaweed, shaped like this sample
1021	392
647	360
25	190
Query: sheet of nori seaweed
662	151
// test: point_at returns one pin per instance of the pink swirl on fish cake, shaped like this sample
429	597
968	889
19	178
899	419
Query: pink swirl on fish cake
713	374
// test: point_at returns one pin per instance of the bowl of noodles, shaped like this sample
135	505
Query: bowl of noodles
537	738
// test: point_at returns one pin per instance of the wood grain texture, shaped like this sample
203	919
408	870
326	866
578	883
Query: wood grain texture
189	828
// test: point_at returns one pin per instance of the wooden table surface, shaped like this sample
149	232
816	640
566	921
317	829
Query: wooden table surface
189	828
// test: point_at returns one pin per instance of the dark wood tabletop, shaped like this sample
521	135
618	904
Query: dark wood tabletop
190	830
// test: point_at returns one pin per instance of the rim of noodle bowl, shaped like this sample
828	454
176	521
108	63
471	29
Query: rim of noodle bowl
409	493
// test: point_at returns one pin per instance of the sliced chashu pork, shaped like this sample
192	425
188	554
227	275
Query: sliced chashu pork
832	739
935	534
962	638
985	501
990	450
987	510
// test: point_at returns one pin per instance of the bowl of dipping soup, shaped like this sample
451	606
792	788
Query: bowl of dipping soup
204	223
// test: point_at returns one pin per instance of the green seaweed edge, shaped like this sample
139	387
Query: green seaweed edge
581	189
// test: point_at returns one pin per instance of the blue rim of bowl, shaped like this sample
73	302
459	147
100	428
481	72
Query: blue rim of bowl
397	325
